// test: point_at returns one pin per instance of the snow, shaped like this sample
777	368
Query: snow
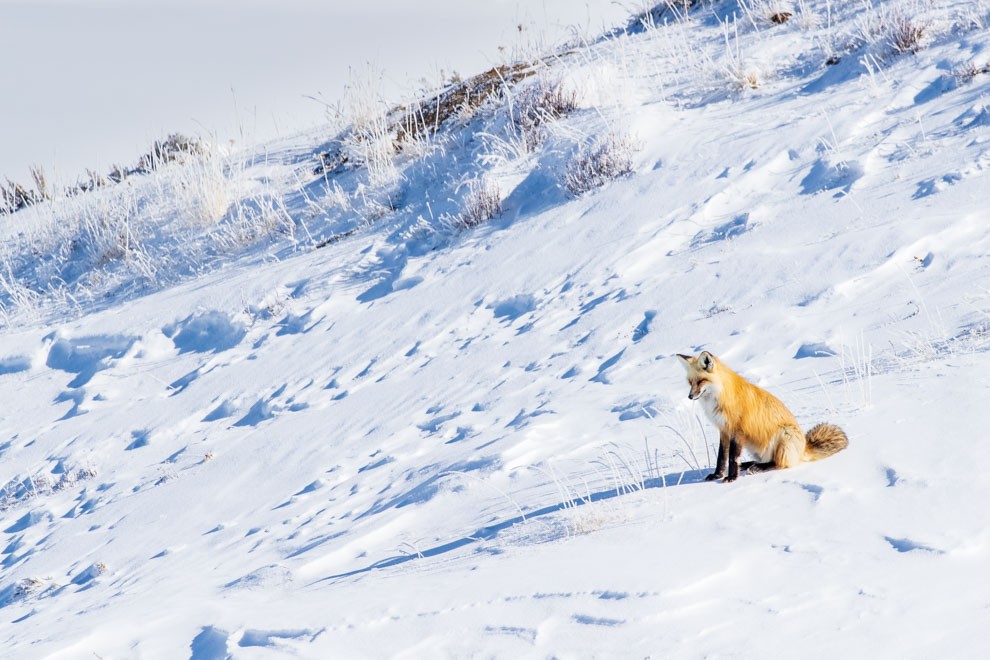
366	431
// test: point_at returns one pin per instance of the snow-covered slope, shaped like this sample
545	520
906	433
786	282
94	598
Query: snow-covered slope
384	434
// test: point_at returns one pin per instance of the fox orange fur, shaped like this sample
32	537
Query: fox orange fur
749	416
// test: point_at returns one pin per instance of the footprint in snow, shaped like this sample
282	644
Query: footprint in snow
634	410
527	634
603	369
586	620
209	644
892	478
937	184
274	638
140	438
85	356
643	328
510	309
434	425
14	364
907	545
724	232
291	324
815	491
207	332
825	176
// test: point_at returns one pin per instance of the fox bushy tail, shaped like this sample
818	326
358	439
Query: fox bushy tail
824	440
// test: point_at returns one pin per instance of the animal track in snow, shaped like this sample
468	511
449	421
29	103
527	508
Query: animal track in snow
527	634
291	324
511	309
907	545
139	439
85	356
814	350
274	639
643	328
210	644
634	410
825	176
605	367
737	226
434	425
14	364
274	575
586	620
206	332
271	405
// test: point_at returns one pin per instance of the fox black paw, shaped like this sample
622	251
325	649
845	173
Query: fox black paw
714	476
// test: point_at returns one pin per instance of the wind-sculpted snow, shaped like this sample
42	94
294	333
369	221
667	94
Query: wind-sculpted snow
85	356
206	332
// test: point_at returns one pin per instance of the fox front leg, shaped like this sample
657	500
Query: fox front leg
734	450
722	460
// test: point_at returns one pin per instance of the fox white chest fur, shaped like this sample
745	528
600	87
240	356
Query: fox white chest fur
709	403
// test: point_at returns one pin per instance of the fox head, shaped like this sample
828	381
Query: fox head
702	374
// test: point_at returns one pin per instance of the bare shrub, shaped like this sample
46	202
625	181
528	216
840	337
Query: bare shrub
541	104
371	144
904	34
460	99
411	126
175	147
332	161
14	197
370	139
807	18
766	12
970	71
660	13
736	66
743	78
205	186
596	164
106	231
891	31
40	182
118	173
482	203
23	489
33	587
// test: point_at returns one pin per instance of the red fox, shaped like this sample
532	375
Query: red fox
749	416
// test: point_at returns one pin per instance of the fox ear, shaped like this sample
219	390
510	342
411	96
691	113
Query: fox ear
706	361
686	360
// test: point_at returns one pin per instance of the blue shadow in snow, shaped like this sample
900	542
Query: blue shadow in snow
84	356
205	332
536	193
209	644
491	531
15	364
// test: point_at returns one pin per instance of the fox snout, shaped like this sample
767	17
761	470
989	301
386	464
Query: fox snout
701	374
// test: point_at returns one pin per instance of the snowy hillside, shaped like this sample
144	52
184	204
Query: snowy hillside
408	389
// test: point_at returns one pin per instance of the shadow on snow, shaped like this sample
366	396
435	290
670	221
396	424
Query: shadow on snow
489	532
